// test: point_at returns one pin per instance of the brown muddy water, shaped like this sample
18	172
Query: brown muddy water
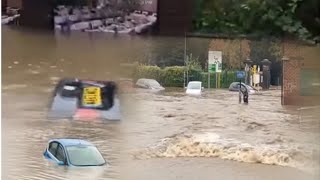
162	136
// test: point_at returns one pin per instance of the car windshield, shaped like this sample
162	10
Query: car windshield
84	156
244	85
153	83
194	86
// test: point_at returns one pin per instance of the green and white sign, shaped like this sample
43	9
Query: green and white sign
212	68
215	61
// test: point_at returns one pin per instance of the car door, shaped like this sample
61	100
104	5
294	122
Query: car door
52	149
57	151
236	86
61	155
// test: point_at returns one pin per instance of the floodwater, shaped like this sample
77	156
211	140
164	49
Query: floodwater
162	136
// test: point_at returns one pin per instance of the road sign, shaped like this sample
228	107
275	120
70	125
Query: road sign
212	68
241	74
215	57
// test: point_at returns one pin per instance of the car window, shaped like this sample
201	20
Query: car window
236	85
53	147
154	83
84	156
194	86
140	82
60	154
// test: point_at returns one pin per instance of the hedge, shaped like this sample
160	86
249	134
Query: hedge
173	76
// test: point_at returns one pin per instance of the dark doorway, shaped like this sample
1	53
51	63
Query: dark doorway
37	14
175	17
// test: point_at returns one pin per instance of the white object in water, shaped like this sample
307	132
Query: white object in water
86	16
73	17
57	27
145	13
80	26
5	20
152	19
59	19
92	30
125	31
96	23
194	88
106	29
109	21
138	29
69	88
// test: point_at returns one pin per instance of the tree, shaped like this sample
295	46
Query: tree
261	17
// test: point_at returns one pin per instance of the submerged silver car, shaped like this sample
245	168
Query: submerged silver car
150	84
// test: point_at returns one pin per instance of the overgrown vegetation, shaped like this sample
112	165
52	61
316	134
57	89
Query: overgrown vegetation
261	17
173	76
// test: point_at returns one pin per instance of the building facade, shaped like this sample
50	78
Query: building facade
301	74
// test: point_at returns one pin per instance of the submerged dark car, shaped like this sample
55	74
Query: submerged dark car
83	99
235	86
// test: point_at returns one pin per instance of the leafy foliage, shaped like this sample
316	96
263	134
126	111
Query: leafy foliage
173	76
263	17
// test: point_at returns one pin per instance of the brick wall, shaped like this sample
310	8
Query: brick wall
14	3
299	56
232	50
291	81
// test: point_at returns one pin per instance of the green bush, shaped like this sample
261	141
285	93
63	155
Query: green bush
150	72
226	78
173	76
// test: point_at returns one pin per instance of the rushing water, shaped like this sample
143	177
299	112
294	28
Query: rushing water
162	136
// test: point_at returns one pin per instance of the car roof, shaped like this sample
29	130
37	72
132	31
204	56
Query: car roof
145	79
195	82
71	142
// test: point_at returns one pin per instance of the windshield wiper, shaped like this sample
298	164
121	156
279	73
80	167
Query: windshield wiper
92	164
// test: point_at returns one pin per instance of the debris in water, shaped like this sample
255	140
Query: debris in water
35	72
169	116
15	62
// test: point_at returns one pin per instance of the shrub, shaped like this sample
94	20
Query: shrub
150	72
173	76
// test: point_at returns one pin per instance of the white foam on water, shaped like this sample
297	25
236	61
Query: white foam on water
213	145
14	86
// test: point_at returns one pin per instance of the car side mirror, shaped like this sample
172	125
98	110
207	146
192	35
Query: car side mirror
202	88
61	163
185	87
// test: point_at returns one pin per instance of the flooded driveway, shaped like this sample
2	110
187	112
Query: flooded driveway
162	136
185	137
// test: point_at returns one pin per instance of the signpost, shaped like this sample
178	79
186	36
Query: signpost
240	75
214	64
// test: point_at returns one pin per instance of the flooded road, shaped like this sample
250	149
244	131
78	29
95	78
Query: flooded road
190	137
162	136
